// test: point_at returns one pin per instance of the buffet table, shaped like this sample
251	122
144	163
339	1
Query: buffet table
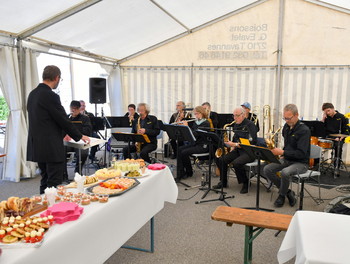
316	237
102	228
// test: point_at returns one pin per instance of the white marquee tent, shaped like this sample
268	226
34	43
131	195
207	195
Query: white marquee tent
267	52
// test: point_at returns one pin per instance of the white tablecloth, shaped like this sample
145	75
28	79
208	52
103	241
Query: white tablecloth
103	228
316	237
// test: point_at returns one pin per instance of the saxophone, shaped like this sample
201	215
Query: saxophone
138	144
270	140
224	150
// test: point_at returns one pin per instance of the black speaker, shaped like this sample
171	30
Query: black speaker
97	90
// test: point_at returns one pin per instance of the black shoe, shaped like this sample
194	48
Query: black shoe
291	197
280	201
220	185
244	188
173	156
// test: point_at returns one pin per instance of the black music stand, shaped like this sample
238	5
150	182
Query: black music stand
212	138
128	137
259	153
117	121
317	128
182	133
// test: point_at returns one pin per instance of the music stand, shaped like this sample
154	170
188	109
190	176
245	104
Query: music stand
259	153
117	121
317	128
128	137
212	138
182	133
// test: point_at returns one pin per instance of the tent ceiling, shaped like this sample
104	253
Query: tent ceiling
117	28
114	28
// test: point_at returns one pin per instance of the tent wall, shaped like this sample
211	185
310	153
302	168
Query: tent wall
228	87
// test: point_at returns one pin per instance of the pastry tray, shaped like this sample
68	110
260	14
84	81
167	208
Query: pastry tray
115	194
22	245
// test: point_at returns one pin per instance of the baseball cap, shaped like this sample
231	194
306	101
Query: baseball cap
246	104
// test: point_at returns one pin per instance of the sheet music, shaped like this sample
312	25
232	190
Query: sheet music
81	144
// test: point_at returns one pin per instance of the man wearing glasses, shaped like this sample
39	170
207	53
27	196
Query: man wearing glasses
294	155
243	128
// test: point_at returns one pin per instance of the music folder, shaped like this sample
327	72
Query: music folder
120	136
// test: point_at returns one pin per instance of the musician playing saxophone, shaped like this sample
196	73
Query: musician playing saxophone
200	145
295	155
177	117
243	128
148	125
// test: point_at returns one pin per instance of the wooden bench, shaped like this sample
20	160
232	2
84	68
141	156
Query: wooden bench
251	219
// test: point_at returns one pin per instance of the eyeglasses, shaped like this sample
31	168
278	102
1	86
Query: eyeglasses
237	115
288	118
61	79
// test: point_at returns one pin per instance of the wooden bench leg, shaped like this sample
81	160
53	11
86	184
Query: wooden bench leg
248	242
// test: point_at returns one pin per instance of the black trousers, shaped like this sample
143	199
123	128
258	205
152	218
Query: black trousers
184	161
93	149
51	174
239	158
174	145
145	150
84	155
338	145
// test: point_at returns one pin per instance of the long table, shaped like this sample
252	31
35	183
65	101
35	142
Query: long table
102	228
316	237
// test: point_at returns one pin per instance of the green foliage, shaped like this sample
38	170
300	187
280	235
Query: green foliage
4	110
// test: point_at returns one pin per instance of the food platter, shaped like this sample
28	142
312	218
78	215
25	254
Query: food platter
136	182
143	175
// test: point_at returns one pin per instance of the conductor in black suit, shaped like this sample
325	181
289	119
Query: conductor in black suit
48	124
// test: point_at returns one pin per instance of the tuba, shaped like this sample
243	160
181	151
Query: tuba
224	150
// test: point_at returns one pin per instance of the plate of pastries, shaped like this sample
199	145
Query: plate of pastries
89	181
23	231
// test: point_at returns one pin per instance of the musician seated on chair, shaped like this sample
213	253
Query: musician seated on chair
82	122
250	116
242	128
294	156
200	145
213	117
335	123
131	114
148	125
177	117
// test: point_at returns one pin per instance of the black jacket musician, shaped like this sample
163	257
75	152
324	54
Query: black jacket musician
294	156
83	124
200	145
243	128
146	125
48	123
176	117
335	123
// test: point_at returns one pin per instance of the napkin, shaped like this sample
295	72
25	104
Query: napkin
51	193
80	181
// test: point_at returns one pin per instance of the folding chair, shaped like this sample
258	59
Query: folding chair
315	153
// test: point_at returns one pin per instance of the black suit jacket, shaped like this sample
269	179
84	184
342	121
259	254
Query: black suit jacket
48	124
151	125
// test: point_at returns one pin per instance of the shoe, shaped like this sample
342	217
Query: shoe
220	185
291	197
173	156
280	201
244	188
